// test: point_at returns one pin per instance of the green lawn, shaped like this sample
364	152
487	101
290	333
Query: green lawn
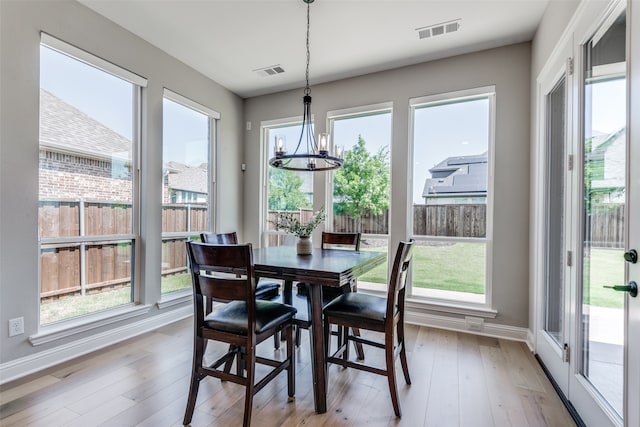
455	267
433	268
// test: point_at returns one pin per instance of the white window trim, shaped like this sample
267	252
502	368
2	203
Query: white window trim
92	60
177	297
355	112
489	92
78	324
264	162
183	100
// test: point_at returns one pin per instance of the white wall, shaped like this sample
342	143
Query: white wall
507	68
20	26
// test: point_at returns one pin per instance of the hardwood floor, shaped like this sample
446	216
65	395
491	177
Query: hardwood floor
457	380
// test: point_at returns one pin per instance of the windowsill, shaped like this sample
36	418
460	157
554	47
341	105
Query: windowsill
436	300
174	298
67	328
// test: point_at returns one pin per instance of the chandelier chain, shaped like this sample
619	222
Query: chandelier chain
307	89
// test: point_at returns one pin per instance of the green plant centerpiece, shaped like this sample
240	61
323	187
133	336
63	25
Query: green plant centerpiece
290	223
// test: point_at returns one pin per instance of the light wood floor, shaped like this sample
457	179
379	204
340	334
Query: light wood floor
458	380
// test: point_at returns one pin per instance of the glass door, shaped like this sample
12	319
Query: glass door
553	327
602	215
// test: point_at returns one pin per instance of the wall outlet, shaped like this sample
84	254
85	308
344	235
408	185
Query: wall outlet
16	326
474	323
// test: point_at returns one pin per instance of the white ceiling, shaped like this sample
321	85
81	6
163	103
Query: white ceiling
227	39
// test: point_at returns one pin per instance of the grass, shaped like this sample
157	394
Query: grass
432	268
76	305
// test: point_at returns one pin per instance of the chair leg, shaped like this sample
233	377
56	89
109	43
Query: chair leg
228	363
198	354
391	375
327	337
345	340
291	371
298	336
358	345
249	390
276	341
403	353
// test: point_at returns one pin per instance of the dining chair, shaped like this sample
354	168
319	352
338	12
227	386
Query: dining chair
243	322
378	314
264	289
334	240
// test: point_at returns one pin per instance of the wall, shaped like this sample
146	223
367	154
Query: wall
508	68
20	26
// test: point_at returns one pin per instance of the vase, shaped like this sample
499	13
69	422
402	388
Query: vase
304	246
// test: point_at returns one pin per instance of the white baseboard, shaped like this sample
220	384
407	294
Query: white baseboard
23	366
461	325
27	365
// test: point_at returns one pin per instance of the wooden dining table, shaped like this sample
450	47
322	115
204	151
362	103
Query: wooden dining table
329	267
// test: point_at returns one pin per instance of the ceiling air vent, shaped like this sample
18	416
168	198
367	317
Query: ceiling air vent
438	29
269	71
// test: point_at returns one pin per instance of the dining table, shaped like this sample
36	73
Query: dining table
328	267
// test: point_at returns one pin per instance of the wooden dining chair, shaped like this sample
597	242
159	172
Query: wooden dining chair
266	290
243	322
333	240
374	313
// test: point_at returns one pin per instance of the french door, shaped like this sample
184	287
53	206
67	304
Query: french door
588	317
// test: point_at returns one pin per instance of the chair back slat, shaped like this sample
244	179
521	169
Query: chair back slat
349	240
220	238
398	281
223	289
222	272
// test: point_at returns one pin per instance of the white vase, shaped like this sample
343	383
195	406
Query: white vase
304	246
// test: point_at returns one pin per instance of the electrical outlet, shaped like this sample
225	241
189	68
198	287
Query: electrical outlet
16	326
474	323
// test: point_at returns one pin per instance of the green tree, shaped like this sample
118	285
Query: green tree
361	186
285	192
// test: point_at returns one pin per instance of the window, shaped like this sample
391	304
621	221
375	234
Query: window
87	182
452	146
187	135
361	188
285	190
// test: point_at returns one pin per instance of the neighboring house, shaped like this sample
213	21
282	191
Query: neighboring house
75	148
606	166
457	180
185	184
79	156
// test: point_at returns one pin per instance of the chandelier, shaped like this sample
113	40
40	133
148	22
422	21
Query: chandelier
317	156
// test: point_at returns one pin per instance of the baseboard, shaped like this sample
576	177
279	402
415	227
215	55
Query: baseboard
462	325
23	366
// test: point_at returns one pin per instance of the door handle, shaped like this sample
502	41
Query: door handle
632	288
631	256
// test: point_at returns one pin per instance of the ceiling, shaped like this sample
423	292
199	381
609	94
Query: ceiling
227	40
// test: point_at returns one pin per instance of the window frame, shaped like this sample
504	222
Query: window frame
66	327
265	155
212	122
353	113
441	302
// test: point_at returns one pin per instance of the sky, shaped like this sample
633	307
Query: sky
439	131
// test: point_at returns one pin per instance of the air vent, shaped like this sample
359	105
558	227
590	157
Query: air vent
438	29
269	71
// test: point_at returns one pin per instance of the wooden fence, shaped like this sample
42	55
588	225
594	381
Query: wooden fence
606	225
72	267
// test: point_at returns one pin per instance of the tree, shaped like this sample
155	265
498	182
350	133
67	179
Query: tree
361	186
285	192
